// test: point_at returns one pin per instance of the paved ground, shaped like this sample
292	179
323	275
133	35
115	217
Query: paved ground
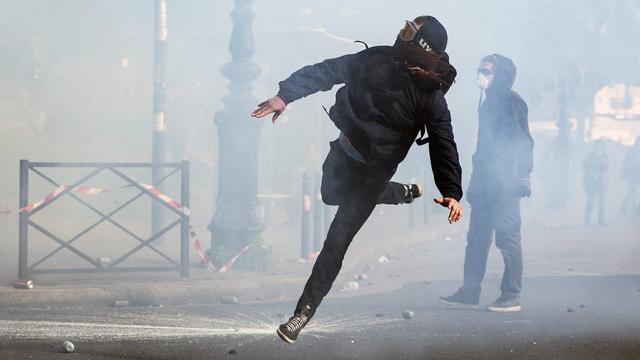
584	317
566	267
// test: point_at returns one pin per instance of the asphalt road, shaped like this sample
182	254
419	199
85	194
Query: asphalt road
563	318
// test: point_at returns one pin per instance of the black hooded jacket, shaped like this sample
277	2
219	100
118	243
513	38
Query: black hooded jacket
503	160
381	110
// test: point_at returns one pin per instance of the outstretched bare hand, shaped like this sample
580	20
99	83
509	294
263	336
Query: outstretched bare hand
455	210
274	105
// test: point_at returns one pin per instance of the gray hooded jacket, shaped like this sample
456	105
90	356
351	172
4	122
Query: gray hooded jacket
503	160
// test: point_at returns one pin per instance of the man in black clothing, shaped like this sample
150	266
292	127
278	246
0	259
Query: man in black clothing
502	165
631	175
391	94
595	167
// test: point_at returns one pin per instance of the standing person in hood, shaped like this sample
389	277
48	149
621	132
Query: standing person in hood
594	182
502	165
390	95
631	175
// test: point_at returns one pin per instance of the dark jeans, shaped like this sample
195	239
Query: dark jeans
499	215
592	197
356	188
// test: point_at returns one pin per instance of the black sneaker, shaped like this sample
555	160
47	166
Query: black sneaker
459	299
505	304
413	191
289	331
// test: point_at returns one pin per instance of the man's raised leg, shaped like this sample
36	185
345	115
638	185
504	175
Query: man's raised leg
352	213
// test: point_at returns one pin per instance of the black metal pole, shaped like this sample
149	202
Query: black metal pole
326	212
318	236
412	210
23	245
184	225
236	222
426	200
306	216
159	106
412	215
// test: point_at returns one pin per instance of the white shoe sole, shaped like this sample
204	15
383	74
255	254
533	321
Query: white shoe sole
419	191
457	305
284	337
504	309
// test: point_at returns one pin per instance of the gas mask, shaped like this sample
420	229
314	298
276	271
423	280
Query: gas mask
484	79
408	33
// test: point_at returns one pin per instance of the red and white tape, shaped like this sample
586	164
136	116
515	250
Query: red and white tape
197	245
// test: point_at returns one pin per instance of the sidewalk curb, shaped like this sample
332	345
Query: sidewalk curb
195	292
246	287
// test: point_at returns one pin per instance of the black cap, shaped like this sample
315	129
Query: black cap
432	35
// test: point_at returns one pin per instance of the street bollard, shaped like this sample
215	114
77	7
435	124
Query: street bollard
412	210
317	215
426	200
305	227
328	218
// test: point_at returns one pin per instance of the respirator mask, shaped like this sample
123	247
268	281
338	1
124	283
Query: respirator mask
485	77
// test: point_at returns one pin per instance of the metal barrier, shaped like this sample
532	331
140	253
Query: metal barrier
305	226
318	235
25	221
316	216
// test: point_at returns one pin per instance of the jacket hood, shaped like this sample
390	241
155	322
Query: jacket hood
504	71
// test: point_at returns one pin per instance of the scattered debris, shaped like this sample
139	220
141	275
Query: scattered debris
570	269
367	267
233	352
103	261
407	314
383	260
379	315
350	286
570	310
229	300
280	315
392	257
583	306
121	303
361	277
68	346
426	282
22	284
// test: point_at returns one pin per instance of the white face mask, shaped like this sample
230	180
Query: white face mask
484	81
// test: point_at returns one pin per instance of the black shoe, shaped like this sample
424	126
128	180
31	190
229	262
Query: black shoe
505	304
413	191
289	331
459	299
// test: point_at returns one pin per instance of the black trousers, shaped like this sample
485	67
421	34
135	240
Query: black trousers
356	188
592	197
500	215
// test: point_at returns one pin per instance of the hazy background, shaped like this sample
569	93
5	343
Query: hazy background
76	85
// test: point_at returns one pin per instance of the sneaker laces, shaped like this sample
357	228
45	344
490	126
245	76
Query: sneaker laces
296	322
